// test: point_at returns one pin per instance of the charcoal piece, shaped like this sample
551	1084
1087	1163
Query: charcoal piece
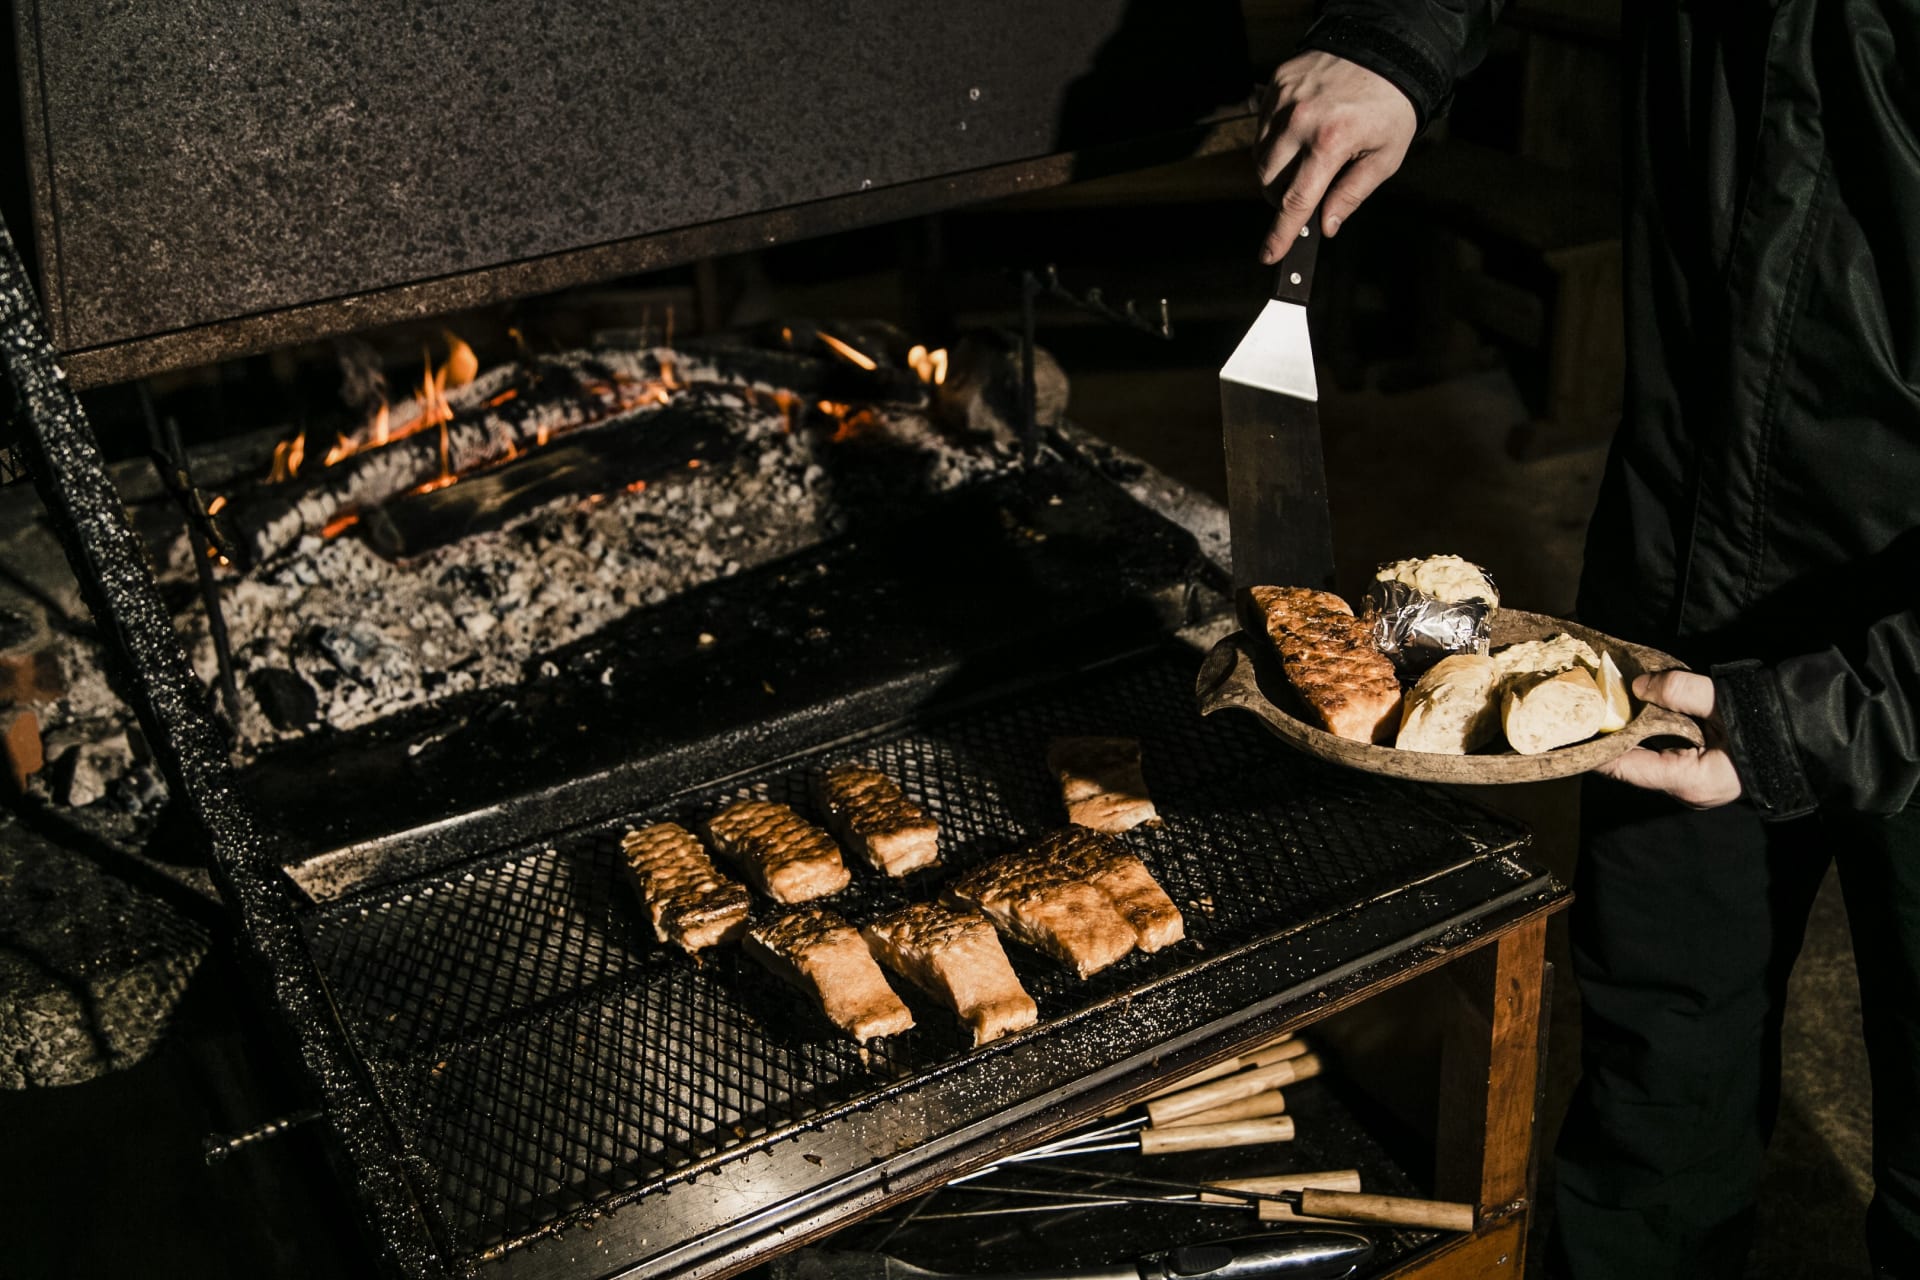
981	394
287	701
654	448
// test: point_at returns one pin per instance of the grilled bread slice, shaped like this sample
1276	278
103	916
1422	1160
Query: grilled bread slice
691	904
1032	898
1101	782
822	955
777	851
868	812
1112	868
1330	660
956	957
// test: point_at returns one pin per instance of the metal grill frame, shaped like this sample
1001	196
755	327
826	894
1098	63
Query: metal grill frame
776	1193
531	963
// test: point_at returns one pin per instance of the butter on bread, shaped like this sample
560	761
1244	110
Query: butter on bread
1454	708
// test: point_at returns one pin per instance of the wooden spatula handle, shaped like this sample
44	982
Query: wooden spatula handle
1399	1211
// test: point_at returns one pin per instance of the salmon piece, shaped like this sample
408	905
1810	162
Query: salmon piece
1114	869
1330	659
777	851
1035	900
692	905
821	954
868	812
1100	781
956	957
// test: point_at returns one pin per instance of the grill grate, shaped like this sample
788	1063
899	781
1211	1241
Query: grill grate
540	1053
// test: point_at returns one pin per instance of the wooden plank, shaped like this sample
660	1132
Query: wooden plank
1491	1255
1489	1069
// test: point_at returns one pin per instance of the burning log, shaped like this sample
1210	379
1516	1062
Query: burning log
667	443
518	409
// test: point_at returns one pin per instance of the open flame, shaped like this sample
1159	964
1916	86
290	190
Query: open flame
852	355
931	366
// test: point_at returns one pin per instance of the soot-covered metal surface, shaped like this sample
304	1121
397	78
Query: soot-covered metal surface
197	162
545	1062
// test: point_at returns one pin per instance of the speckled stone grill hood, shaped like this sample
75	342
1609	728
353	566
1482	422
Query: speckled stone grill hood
211	179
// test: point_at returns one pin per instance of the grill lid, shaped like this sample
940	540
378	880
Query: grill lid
210	180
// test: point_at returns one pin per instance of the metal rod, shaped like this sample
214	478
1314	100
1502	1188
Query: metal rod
1029	394
170	459
1101	1175
216	1147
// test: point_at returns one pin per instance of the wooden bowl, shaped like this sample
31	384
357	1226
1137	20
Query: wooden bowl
1233	676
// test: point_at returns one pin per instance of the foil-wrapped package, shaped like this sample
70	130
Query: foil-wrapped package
1416	630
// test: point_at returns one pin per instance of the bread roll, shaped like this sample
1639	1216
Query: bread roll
1546	657
1613	687
1551	711
1450	579
1454	708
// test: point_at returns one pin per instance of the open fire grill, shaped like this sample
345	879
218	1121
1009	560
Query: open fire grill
513	1077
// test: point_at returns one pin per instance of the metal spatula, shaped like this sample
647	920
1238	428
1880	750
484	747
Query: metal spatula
1276	471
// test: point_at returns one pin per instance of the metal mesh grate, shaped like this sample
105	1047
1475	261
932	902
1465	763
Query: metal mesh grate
539	1051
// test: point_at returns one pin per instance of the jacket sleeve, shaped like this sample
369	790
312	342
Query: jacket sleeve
1839	728
1422	46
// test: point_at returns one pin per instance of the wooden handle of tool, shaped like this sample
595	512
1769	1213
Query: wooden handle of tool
1206	1137
1398	1211
1274	1053
1326	1180
1244	1084
1284	1040
1270	1103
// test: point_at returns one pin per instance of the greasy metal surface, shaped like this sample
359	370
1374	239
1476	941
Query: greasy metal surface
1007	578
544	1059
195	163
110	564
1233	677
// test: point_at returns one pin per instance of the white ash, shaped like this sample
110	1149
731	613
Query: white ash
372	637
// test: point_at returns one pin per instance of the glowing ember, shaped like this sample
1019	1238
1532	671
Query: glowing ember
851	355
215	507
638	486
287	457
339	525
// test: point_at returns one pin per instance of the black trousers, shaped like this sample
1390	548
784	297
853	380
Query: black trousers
1684	930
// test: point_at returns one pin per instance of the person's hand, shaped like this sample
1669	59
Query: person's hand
1328	128
1698	777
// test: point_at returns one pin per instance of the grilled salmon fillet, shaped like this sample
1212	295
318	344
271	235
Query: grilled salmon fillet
1035	900
868	812
1330	659
1112	868
956	957
692	905
777	851
1100	781
821	954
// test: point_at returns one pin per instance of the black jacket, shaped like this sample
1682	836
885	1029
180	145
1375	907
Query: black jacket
1761	508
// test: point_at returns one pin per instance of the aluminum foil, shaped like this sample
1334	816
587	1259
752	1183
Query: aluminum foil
1415	630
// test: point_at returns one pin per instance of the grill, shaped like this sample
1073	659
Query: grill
516	1080
545	1061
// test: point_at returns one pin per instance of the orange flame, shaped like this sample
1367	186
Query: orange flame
339	525
852	355
930	366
